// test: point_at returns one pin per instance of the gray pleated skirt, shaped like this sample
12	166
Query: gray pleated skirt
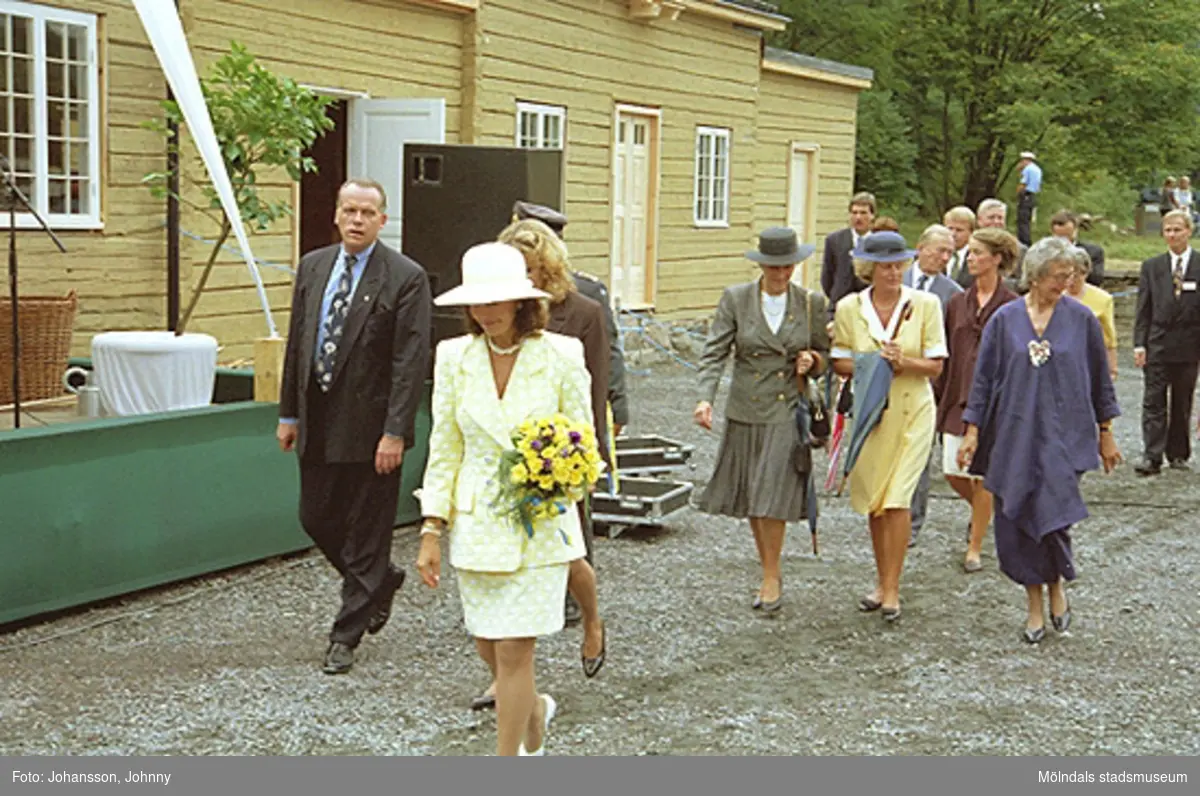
757	474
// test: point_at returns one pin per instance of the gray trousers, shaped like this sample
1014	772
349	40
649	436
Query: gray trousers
920	499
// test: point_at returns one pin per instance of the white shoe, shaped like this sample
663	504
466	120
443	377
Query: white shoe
551	709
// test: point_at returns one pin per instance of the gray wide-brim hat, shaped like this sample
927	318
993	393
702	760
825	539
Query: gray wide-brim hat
883	247
780	246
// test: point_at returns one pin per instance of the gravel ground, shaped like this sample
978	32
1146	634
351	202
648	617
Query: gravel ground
230	664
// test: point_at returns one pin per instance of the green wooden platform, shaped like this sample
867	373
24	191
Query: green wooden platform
100	508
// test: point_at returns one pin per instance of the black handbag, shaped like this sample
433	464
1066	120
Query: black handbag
812	416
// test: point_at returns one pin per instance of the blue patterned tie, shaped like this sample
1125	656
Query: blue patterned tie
335	324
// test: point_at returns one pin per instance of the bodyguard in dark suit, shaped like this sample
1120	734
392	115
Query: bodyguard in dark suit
1166	339
355	367
1065	224
837	266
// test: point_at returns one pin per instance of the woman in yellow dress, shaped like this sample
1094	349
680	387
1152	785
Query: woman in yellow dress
1099	301
905	326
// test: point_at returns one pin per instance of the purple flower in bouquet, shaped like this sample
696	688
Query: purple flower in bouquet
536	445
575	437
547	466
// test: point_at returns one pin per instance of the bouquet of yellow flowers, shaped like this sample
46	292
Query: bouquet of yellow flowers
552	466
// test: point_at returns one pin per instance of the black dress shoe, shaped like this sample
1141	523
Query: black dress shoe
1147	467
1179	464
339	658
384	612
484	701
1062	623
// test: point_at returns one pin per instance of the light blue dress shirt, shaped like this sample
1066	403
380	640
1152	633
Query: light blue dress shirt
335	275
1031	176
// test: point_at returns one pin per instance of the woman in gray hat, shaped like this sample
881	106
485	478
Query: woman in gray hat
775	332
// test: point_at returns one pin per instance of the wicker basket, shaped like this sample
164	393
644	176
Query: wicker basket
46	324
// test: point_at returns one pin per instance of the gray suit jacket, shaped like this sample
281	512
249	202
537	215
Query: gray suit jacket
618	397
943	286
764	388
383	359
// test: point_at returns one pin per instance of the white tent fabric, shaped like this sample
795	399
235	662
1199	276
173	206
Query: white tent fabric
161	20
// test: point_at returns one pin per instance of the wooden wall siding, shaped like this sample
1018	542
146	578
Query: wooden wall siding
588	56
795	109
387	49
118	272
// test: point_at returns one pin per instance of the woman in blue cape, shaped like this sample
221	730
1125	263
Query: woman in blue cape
1039	417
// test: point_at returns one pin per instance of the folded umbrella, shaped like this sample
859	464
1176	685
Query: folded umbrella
872	382
810	500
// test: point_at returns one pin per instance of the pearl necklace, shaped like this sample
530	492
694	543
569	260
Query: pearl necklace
503	352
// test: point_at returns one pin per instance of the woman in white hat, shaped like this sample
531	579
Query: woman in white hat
505	371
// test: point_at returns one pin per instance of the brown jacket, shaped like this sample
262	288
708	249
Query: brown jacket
582	318
964	331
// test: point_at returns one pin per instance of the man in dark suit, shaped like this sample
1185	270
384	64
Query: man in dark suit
837	266
993	214
1064	224
935	247
1166	339
354	373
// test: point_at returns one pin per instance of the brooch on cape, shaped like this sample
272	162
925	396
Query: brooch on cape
1039	352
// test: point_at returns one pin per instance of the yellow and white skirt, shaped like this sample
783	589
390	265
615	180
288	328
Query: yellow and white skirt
521	604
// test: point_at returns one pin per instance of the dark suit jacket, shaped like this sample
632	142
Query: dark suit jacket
1096	277
618	398
383	357
1168	328
837	269
579	317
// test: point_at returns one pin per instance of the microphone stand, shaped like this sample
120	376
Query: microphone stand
14	196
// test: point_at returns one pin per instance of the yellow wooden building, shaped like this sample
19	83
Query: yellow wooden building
682	135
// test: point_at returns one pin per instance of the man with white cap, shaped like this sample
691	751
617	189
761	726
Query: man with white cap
1027	194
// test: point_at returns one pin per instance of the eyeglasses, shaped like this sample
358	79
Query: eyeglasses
1061	276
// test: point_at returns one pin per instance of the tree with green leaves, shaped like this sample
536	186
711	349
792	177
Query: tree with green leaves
262	122
1096	87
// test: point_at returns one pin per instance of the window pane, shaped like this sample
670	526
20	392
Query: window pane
56	113
25	185
57	193
77	82
621	133
23	115
5	115
77	120
5	70
79	158
56	79
77	41
553	134
22	35
55	35
5	24
23	154
22	76
639	134
79	197
56	154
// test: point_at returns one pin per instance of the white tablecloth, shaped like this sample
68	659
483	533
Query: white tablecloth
143	372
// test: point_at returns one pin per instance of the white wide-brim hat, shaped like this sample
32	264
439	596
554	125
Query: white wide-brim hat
491	272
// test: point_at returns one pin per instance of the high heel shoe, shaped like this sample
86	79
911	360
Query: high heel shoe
592	666
1033	635
772	607
891	614
1062	623
547	717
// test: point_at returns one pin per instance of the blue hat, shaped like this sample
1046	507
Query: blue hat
883	247
780	246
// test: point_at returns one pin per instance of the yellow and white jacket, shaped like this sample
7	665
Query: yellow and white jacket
472	426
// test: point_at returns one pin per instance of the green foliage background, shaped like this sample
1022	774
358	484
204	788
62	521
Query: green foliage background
1106	92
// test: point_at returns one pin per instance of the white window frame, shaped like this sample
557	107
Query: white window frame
541	113
704	186
40	15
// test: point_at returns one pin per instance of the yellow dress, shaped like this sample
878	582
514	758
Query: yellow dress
894	456
1100	302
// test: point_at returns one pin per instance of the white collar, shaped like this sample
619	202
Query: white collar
1186	255
874	325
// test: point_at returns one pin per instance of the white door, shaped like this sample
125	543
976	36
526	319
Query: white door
634	178
801	203
379	128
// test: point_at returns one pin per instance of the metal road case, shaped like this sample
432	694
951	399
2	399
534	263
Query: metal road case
651	454
641	501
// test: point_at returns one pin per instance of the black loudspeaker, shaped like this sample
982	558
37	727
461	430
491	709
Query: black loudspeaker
458	196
